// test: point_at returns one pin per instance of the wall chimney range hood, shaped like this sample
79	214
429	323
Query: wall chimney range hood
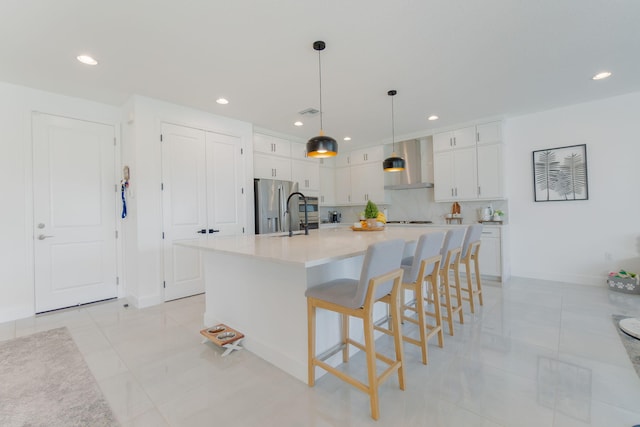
415	154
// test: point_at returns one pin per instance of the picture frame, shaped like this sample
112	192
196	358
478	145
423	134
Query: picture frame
560	174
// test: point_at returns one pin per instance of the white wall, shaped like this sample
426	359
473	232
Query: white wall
577	241
142	153
16	242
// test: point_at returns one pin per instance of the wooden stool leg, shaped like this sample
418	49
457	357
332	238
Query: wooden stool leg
311	334
344	321
456	279
478	282
397	331
371	365
433	282
419	297
467	269
447	298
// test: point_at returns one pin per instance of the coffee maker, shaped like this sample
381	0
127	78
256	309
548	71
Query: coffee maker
335	216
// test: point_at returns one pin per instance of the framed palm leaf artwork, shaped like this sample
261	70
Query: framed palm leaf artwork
560	174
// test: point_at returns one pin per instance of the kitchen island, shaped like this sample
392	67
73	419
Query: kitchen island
256	284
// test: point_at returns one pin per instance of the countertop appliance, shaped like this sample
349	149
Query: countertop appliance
335	216
270	197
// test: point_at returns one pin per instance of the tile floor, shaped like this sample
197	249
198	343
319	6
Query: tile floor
537	354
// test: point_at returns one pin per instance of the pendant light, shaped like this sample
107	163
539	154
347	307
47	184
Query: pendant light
321	145
393	163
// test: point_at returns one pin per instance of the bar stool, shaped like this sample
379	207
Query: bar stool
424	267
471	252
450	252
380	280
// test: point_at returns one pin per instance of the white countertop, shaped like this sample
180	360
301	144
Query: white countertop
319	247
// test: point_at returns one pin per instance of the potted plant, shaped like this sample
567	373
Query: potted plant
371	214
497	215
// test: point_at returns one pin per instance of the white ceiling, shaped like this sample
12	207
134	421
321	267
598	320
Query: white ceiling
463	60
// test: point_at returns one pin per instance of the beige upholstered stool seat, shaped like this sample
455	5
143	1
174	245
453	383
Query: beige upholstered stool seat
380	280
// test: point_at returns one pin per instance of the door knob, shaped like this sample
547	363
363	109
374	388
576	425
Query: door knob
42	237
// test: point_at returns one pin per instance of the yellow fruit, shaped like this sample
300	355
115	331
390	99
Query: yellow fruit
381	218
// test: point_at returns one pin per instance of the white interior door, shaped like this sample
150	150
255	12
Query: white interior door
225	196
74	212
184	210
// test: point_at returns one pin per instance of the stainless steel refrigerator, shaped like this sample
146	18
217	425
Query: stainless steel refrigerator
271	204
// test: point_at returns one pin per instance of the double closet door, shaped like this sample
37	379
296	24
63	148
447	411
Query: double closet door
202	198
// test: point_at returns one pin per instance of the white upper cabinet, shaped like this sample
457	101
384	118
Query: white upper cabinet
366	155
342	160
459	138
455	175
299	151
468	163
343	185
271	167
327	186
489	133
490	180
367	183
271	145
306	173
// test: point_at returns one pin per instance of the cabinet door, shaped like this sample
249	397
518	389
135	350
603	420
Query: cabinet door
367	183
442	141
366	155
327	187
443	177
271	145
490	171
490	256
465	137
299	151
465	175
271	167
343	159
454	174
489	133
306	174
343	185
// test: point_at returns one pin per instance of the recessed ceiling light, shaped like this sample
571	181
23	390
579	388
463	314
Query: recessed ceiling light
433	117
347	138
298	124
602	75
86	59
222	101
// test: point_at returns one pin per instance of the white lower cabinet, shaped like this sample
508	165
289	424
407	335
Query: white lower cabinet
491	251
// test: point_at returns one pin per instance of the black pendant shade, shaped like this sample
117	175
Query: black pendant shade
393	163
321	146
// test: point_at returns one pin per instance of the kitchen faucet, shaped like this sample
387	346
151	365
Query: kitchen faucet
306	219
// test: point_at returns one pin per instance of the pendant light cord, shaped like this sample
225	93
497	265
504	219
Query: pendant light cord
320	74
393	126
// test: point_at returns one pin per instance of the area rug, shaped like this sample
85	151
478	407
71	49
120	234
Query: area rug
631	344
44	381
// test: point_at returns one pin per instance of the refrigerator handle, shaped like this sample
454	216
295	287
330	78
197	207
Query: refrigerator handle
283	208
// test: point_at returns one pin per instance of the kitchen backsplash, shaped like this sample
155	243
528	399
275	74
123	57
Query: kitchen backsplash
418	204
